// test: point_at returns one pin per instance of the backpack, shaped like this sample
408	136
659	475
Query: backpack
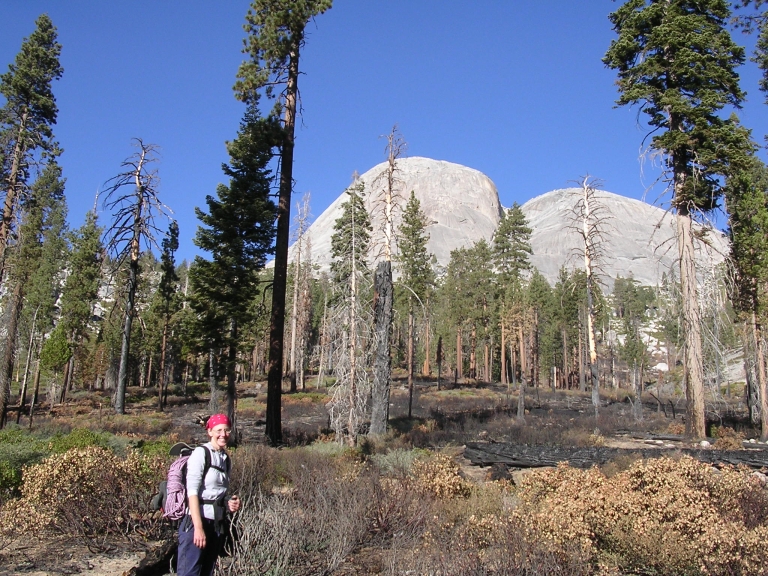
171	497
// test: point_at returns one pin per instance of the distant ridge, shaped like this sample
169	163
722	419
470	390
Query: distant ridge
463	206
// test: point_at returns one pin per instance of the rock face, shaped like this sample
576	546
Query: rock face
463	206
639	239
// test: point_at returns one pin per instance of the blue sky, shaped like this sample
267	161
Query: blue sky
513	88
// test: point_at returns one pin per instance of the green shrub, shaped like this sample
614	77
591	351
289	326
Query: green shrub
78	438
151	448
18	448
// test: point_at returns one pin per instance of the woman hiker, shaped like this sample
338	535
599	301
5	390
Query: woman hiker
202	531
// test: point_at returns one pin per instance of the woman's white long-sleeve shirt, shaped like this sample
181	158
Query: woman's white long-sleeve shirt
215	483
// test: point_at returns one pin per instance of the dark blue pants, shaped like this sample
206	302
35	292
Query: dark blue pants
194	561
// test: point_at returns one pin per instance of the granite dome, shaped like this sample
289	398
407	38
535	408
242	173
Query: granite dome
463	207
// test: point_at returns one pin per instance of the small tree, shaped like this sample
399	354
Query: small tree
416	275
237	231
168	303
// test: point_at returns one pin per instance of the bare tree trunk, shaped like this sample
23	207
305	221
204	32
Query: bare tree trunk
66	379
232	377
410	358
473	352
582	376
213	403
294	315
162	384
273	429
426	369
11	196
323	343
694	364
761	376
9	351
31	349
459	355
439	359
352	425
523	369
504	378
382	368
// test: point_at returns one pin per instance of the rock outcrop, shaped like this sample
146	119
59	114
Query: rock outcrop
463	206
638	239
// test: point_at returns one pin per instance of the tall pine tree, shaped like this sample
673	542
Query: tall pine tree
276	34
26	118
677	60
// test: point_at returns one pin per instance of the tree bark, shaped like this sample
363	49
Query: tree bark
761	376
459	356
382	310
232	377
694	366
410	359
162	384
213	403
273	429
11	193
504	378
9	352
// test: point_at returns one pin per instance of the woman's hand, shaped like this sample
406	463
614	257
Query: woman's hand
234	504
199	538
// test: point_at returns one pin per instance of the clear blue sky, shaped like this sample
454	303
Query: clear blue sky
513	88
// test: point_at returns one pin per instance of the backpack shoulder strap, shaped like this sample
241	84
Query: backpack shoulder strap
207	464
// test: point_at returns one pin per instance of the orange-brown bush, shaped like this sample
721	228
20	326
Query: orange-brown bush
728	438
662	515
439	476
86	492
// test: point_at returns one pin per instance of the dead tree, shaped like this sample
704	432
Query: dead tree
384	207
589	221
302	223
132	197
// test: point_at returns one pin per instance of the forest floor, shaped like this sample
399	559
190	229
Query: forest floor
305	417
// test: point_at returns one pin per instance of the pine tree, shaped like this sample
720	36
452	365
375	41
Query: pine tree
39	247
511	251
237	231
167	302
275	41
416	275
747	198
26	119
512	244
677	59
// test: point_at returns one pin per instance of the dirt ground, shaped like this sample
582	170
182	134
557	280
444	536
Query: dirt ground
57	556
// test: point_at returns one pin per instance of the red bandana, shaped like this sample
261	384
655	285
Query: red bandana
217	419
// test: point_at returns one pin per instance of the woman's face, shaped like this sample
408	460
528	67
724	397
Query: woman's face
219	436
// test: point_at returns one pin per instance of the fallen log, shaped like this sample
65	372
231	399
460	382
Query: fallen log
487	454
